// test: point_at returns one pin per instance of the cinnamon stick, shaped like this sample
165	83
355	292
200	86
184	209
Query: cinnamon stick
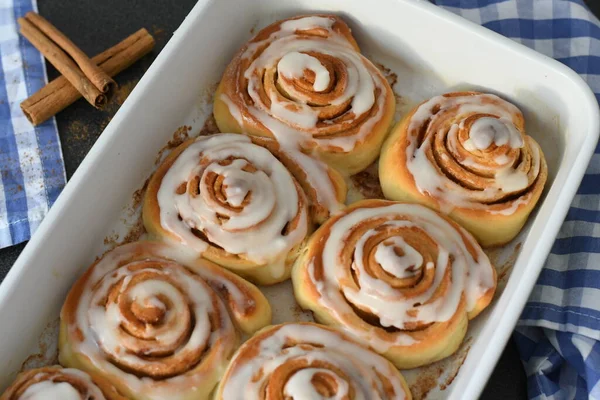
59	94
63	63
99	78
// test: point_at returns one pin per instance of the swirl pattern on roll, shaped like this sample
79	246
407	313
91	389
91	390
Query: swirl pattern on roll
466	154
155	328
309	361
399	277
303	81
235	203
57	383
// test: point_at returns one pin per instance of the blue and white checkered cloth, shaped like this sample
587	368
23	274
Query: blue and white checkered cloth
558	335
32	171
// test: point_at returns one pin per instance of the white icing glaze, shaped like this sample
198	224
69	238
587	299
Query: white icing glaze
428	178
182	329
300	386
403	266
470	275
47	390
236	189
510	180
294	64
294	122
255	231
52	390
306	23
301	115
514	206
155	302
318	346
469	145
502	159
485	131
233	109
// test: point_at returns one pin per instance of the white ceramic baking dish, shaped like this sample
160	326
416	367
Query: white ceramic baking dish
431	51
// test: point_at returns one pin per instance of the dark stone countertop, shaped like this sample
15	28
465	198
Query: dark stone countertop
96	25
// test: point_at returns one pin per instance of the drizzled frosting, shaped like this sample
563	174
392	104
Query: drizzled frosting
238	195
54	383
304	80
300	385
388	271
395	256
468	150
500	132
310	362
52	391
293	65
137	310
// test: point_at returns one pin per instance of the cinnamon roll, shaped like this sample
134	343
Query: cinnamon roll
55	382
232	200
467	155
304	82
399	277
309	361
155	327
